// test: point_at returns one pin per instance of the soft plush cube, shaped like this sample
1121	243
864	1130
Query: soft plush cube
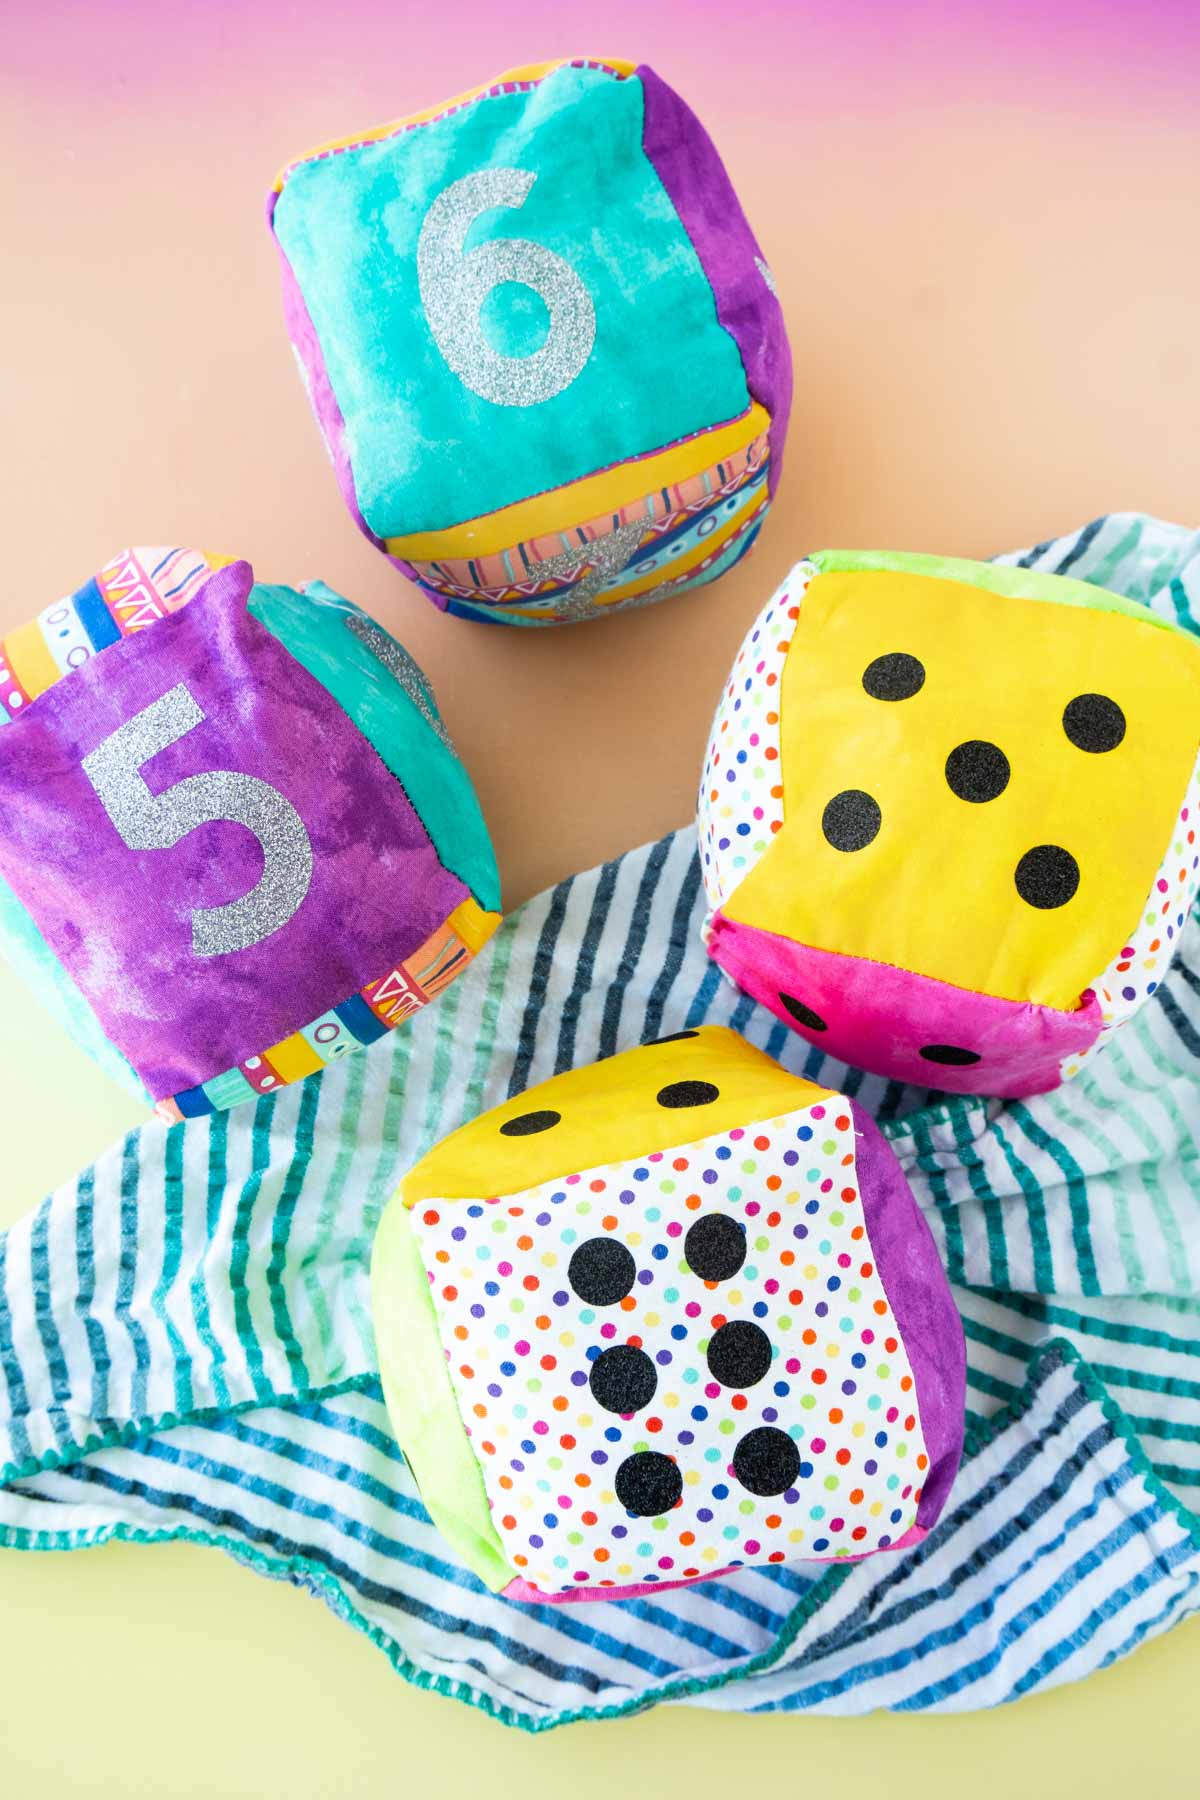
541	342
234	847
671	1314
948	815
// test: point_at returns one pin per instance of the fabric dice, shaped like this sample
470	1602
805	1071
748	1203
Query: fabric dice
541	343
235	846
672	1314
948	815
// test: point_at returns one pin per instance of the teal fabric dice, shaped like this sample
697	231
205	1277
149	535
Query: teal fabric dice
541	342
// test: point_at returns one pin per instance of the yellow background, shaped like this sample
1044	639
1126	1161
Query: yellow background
982	227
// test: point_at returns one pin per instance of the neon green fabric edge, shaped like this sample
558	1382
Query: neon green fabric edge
421	1403
312	628
998	578
26	950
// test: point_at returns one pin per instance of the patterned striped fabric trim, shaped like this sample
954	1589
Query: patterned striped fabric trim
186	1350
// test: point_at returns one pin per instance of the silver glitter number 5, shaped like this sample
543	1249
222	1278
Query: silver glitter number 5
454	287
149	821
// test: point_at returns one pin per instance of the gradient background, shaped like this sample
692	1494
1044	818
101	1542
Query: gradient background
983	223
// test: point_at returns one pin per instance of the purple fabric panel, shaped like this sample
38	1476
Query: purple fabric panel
919	1295
701	192
303	334
120	920
878	1017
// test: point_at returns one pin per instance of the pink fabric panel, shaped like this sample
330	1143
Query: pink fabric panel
531	1596
880	1018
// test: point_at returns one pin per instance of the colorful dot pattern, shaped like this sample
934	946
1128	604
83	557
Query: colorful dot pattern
741	786
1134	973
520	1345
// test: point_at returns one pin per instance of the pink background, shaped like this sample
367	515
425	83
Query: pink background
983	226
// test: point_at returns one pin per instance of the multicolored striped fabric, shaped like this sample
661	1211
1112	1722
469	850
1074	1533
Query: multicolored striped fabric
186	1346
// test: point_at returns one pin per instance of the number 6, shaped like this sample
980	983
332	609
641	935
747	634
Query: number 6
148	821
454	288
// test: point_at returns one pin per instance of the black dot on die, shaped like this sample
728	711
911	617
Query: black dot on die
1094	723
648	1483
526	1124
623	1379
803	1015
688	1093
952	1054
851	820
896	676
601	1271
715	1247
739	1354
766	1461
1047	876
977	771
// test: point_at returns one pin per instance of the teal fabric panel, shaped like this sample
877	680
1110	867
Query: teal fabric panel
662	367
24	948
312	628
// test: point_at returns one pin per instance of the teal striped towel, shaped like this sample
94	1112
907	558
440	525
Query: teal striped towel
186	1348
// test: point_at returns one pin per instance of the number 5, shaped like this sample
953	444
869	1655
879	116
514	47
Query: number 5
149	821
454	288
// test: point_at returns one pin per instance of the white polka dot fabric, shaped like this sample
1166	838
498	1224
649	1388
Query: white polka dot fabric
680	1363
1135	972
741	787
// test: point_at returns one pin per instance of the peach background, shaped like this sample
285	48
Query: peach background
982	223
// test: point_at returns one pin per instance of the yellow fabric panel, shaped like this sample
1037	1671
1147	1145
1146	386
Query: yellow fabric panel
30	658
609	1110
527	72
588	498
474	926
935	891
294	1058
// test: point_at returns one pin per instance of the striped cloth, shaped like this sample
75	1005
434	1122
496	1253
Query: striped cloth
186	1349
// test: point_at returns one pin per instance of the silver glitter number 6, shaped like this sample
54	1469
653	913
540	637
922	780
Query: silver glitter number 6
454	287
149	821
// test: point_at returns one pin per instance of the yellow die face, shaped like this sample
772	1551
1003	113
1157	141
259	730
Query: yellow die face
652	1098
978	787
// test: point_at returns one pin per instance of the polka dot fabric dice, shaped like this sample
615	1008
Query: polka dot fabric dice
541	342
670	1343
234	847
948	816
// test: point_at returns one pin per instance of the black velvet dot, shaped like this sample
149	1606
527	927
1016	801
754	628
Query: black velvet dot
688	1093
739	1354
648	1484
672	1037
715	1247
977	771
525	1124
803	1015
1047	876
896	676
952	1054
766	1460
623	1379
601	1271
1094	723
851	820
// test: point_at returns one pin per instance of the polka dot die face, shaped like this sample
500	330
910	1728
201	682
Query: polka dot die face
678	1363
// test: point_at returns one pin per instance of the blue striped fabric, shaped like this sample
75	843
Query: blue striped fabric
186	1350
